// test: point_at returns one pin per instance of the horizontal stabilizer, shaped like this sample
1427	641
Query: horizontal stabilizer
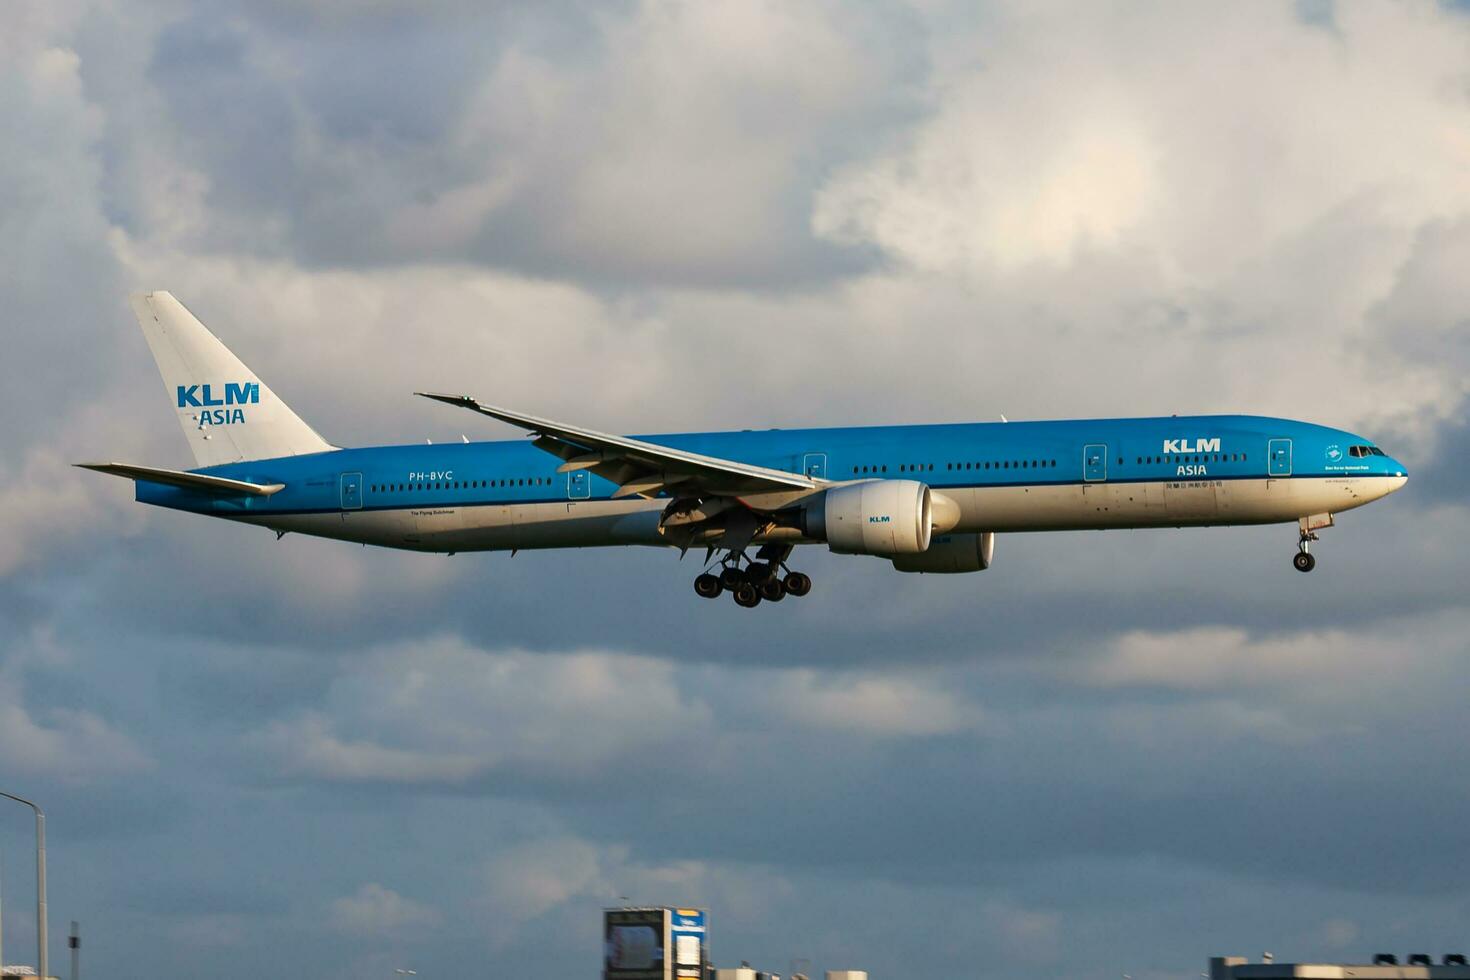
188	481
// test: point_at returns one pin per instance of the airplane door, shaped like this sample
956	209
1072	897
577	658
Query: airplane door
1095	463
815	465
579	485
1279	454
351	491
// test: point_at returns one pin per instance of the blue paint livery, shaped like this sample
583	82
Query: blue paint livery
999	454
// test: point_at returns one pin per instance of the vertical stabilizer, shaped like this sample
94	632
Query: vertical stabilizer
227	412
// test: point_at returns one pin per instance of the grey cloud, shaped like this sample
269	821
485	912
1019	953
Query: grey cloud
1445	474
597	145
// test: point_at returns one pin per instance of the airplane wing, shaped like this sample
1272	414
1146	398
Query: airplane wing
188	481
642	468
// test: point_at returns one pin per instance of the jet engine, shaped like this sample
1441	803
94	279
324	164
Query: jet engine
948	553
875	517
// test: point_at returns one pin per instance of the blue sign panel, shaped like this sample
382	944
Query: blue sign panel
687	937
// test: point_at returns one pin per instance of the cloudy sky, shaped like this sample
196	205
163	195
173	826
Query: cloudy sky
1112	752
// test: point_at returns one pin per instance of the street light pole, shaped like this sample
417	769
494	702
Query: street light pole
41	964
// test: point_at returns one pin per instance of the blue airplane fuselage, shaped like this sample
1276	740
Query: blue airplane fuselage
1004	476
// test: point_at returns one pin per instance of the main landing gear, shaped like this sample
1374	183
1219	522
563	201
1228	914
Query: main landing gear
759	581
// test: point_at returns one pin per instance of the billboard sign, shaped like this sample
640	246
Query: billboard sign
634	941
654	944
687	932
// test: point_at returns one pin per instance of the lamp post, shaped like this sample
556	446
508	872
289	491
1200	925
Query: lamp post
42	966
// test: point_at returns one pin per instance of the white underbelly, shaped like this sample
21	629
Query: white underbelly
599	523
1170	503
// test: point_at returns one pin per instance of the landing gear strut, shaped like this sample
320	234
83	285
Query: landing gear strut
760	580
1304	560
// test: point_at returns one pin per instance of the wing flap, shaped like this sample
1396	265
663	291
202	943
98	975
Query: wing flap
188	481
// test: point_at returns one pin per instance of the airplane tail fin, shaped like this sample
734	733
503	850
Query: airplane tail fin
228	413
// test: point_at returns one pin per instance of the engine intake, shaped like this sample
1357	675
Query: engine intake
950	553
876	517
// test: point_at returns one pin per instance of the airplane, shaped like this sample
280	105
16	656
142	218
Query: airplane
928	498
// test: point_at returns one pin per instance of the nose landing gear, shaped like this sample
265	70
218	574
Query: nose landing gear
1304	560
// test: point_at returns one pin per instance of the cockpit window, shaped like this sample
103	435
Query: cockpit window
1361	451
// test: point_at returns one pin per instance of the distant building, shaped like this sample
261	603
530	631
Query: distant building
657	943
735	973
1384	966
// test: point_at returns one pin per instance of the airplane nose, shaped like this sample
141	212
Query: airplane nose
1398	475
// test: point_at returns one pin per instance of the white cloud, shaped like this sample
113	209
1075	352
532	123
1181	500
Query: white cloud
1321	665
529	880
880	705
684	145
373	910
442	712
72	745
1106	129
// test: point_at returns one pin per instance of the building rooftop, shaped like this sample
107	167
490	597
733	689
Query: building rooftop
1385	966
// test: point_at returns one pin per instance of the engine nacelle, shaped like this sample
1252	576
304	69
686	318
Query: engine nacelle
876	517
949	553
